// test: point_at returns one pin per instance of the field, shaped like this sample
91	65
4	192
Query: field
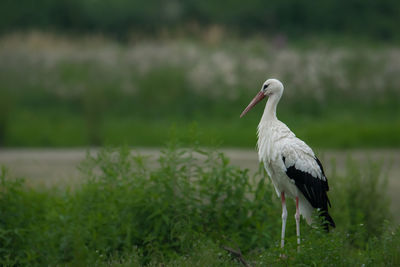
183	210
59	91
49	168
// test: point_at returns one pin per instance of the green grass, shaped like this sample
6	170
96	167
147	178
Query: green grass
183	210
327	130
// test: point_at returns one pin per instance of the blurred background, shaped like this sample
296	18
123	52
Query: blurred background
93	72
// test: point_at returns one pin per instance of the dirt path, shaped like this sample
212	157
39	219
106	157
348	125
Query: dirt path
58	167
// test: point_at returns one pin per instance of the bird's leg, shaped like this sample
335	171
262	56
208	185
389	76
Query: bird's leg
284	217
297	217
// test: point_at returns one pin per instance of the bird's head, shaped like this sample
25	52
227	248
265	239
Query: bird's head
270	88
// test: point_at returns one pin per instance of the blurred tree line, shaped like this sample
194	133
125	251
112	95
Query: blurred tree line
370	18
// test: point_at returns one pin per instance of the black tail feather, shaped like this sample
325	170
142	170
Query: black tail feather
328	221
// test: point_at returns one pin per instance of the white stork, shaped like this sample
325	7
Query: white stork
290	163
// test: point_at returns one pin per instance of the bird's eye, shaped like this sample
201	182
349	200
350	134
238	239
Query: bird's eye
265	86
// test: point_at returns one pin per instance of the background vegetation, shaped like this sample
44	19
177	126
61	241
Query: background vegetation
58	91
183	211
93	72
367	19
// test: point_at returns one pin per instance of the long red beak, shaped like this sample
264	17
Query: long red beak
260	96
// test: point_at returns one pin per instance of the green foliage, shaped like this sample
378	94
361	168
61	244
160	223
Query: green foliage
119	18
19	208
181	210
369	206
164	210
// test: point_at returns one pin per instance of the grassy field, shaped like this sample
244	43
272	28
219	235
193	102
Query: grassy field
184	212
62	91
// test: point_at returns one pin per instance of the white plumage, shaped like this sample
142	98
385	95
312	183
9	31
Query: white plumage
275	141
290	163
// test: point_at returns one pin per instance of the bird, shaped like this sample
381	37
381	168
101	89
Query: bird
290	163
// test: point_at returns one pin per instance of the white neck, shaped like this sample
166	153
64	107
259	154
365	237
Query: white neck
270	107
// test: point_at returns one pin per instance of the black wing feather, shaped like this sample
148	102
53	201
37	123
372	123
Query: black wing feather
313	188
